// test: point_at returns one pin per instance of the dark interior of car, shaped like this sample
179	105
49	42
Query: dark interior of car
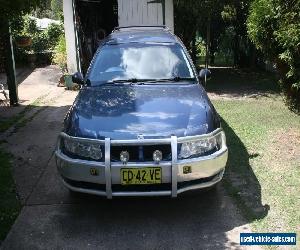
95	19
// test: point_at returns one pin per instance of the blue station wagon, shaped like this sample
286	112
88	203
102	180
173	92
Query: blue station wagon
142	123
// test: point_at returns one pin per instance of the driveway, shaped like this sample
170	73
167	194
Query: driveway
52	218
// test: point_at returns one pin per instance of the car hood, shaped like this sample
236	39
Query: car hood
132	111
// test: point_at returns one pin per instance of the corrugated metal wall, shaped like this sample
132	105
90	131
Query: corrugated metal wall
71	40
144	12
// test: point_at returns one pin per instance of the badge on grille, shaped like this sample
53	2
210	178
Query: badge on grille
140	137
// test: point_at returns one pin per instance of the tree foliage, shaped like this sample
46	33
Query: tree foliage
192	19
60	54
222	18
42	40
11	9
235	14
274	27
50	8
57	8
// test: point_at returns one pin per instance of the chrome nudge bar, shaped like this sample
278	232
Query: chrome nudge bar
109	169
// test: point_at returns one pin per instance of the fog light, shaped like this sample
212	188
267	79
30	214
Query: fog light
157	156
124	157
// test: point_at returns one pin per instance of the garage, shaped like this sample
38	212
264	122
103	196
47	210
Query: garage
87	22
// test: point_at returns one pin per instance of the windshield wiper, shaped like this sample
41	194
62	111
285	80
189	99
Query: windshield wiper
177	79
142	81
132	81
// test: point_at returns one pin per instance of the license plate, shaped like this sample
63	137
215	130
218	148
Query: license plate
133	176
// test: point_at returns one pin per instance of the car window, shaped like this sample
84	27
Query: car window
139	61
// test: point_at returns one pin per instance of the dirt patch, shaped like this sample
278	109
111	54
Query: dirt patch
284	147
251	94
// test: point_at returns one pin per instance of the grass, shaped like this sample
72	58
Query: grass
9	202
263	136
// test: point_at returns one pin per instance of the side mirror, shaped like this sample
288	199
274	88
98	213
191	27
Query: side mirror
78	78
204	74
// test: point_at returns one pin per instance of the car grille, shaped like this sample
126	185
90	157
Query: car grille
141	153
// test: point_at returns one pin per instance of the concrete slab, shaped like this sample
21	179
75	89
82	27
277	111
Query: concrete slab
207	221
21	74
41	81
33	147
50	190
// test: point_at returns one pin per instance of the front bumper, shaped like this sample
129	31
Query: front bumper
205	171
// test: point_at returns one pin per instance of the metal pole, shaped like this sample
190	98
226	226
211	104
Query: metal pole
207	41
10	67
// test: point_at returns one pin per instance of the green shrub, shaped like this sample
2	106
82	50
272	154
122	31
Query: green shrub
39	42
42	39
274	27
60	54
53	33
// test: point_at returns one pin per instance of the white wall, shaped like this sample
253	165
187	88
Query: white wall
142	12
70	36
170	14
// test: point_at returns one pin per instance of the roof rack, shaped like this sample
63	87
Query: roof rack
164	27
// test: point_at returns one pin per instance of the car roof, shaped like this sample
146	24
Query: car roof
141	34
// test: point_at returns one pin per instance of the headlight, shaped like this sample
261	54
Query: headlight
83	149
200	147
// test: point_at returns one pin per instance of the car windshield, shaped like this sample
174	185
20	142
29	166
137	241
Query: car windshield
123	62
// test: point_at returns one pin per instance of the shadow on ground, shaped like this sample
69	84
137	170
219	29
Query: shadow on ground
240	180
242	82
21	75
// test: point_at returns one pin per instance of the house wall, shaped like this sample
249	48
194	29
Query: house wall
69	25
145	12
170	14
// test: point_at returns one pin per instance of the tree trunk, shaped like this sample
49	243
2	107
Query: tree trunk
194	50
207	41
236	50
212	57
253	57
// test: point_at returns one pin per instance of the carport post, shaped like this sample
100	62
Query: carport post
10	67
